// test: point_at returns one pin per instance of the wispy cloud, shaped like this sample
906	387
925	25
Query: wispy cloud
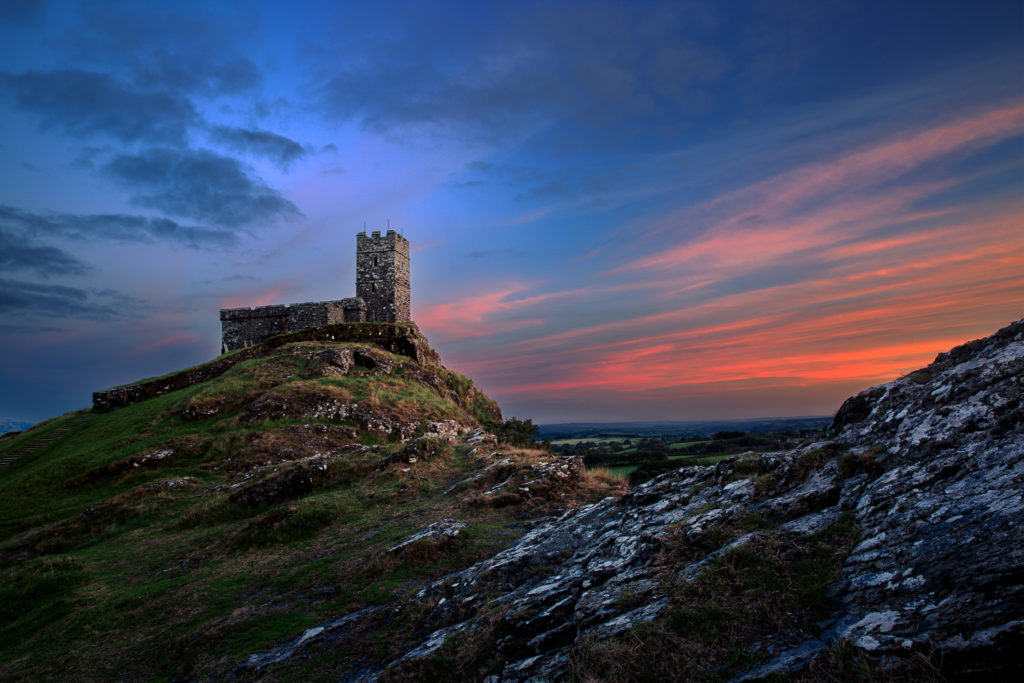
18	252
29	300
171	340
262	296
277	148
85	104
810	205
478	315
199	184
495	313
829	273
116	227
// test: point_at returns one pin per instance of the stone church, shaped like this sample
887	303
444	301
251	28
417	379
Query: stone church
382	295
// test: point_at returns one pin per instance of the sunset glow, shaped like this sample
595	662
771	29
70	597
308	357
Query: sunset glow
598	232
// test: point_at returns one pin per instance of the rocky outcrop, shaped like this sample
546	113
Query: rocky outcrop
421	448
942	558
438	532
403	339
282	482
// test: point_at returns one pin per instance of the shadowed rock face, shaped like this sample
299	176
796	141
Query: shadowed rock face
930	467
942	558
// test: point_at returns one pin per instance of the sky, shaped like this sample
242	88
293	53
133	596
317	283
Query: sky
617	210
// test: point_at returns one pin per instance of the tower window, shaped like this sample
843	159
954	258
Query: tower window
375	284
375	262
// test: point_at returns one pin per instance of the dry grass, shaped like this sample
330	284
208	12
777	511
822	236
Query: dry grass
766	588
602	482
842	663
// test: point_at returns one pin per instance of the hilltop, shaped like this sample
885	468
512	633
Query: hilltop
333	510
176	536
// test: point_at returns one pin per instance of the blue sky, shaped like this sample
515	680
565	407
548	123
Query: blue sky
618	211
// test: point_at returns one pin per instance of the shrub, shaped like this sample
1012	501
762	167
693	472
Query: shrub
515	431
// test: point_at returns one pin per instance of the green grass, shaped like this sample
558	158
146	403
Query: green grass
108	573
622	471
685	444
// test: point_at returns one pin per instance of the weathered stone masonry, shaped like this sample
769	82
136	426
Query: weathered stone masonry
382	276
244	327
382	295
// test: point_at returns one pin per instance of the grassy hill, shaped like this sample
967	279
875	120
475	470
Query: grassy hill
178	536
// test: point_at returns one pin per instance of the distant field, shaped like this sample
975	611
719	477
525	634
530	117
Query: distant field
626	470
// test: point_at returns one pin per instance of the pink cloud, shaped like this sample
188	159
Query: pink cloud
481	315
271	295
859	327
822	279
765	220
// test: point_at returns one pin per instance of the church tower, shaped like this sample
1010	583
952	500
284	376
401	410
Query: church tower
382	276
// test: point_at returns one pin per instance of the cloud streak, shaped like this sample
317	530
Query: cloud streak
84	104
115	227
199	184
18	253
31	300
772	214
277	148
481	314
826	274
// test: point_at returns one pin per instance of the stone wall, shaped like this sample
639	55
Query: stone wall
110	399
382	276
244	327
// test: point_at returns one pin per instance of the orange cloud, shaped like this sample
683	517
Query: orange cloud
860	326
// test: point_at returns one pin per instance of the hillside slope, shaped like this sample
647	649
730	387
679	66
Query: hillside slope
174	537
333	511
